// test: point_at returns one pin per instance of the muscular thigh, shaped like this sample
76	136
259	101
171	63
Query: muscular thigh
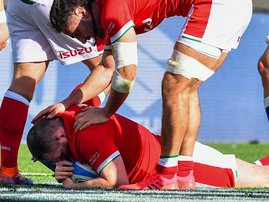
210	62
26	76
192	65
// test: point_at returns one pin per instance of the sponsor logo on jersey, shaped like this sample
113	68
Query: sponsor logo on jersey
148	23
94	158
110	28
74	53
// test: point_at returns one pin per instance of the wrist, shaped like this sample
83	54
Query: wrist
3	18
66	104
107	113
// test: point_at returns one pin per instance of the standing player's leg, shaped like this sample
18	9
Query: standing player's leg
263	68
206	52
13	115
181	108
212	29
185	163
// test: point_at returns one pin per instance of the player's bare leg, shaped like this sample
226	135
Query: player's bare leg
178	128
185	168
251	175
181	113
263	68
13	115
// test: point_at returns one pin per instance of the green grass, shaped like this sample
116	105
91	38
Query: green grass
26	165
248	152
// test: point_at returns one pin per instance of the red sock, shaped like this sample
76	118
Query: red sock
168	172
184	168
13	115
96	102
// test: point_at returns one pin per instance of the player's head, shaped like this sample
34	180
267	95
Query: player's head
47	140
77	18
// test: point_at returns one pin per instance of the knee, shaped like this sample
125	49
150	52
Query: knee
177	87
263	66
174	83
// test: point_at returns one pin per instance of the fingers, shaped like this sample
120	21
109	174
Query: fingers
63	170
4	35
2	45
68	183
64	163
52	113
90	115
81	121
49	112
82	125
85	108
42	114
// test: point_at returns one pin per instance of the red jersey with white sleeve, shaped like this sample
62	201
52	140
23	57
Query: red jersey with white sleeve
143	15
216	23
99	144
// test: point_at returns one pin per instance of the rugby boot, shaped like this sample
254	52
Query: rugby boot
13	176
186	182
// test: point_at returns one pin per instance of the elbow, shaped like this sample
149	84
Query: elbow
121	182
118	181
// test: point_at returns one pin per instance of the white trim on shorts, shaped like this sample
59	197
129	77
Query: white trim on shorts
227	22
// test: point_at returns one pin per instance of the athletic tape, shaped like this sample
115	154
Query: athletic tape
121	84
125	53
188	67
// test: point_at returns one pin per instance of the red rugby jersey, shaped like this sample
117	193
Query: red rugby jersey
99	144
118	16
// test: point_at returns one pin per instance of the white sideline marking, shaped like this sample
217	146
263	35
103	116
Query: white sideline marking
37	174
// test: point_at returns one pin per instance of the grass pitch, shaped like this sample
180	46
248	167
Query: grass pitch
46	188
41	174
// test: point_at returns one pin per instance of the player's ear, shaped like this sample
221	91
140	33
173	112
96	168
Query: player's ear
80	11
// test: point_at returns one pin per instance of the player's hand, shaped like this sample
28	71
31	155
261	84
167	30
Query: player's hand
63	170
4	35
89	115
49	112
68	183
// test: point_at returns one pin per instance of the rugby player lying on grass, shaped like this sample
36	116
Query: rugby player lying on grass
124	152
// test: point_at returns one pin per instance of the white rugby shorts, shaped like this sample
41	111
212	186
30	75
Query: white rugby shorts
213	168
217	23
34	40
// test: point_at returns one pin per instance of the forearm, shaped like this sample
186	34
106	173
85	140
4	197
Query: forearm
112	176
96	82
94	183
114	102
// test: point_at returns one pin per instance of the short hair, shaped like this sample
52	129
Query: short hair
61	9
42	138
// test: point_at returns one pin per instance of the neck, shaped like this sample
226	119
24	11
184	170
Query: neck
96	16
